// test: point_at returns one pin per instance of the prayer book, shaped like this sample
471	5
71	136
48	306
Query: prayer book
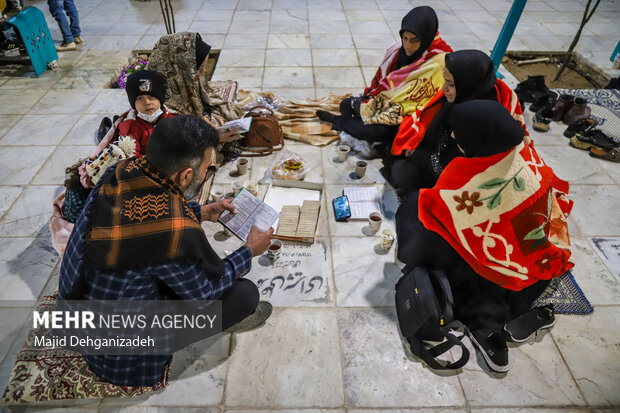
238	125
250	211
363	200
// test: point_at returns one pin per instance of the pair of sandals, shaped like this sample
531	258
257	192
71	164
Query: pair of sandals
583	135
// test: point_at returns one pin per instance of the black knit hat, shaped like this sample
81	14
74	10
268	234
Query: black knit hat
145	82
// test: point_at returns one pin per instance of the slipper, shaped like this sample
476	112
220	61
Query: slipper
580	127
612	155
593	139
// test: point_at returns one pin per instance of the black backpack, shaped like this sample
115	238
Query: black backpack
424	308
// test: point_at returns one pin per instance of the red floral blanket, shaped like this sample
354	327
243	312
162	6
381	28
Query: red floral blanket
504	214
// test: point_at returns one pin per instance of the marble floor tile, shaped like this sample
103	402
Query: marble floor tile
374	41
53	171
241	41
254	5
370	57
117	42
16	102
288	77
537	377
563	160
359	4
242	57
288	41
83	131
35	130
598	333
303	345
294	93
156	409
360	15
249	27
299	26
124	28
289	411
595	206
18	166
102	59
599	285
340	91
331	41
12	322
376	371
60	102
369	73
464	41
325	5
210	14
361	27
29	215
246	77
148	41
7	122
365	274
8	195
86	79
337	172
46	81
608	250
328	26
334	57
290	5
359	228
26	264
301	276
338	77
214	27
197	378
288	57
219	4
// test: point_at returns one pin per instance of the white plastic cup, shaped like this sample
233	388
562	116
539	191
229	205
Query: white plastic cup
343	152
242	166
236	187
217	194
387	239
374	221
251	186
360	168
275	248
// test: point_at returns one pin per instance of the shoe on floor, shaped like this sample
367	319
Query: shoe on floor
492	346
612	155
593	139
580	127
254	320
579	110
326	116
544	102
65	47
78	40
564	103
104	127
542	119
526	325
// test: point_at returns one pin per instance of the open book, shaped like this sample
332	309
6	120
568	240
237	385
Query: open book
250	211
363	200
238	125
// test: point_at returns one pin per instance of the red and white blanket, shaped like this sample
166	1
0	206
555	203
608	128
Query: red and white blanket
504	214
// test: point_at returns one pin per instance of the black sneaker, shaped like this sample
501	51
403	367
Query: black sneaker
104	127
253	321
526	325
492	346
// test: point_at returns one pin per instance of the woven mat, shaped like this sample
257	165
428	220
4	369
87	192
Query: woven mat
605	105
43	374
566	296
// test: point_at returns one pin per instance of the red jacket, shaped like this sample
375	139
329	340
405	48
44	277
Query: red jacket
139	129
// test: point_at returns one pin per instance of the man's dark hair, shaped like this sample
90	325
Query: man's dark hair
180	142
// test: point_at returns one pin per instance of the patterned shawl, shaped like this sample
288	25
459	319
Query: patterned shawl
414	127
141	218
395	93
505	214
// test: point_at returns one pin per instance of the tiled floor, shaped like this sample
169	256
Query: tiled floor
334	347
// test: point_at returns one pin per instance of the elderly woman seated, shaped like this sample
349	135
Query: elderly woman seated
495	223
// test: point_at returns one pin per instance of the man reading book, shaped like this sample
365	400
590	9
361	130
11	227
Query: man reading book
138	238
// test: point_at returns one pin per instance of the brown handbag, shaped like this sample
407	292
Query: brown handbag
265	135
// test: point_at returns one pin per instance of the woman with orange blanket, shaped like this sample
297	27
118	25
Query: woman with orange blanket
424	137
495	223
407	78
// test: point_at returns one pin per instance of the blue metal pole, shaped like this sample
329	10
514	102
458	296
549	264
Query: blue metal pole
506	34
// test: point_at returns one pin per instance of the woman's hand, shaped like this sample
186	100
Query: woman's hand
408	152
229	136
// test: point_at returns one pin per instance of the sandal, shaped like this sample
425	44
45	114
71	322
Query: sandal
542	119
580	127
612	155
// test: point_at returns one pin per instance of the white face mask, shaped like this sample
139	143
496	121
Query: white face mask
150	118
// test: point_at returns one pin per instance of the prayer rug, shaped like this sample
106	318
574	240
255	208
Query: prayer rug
44	374
605	105
566	296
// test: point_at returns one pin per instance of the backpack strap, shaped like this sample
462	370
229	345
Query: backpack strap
429	354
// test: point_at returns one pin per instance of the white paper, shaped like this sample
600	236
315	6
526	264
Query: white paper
278	196
250	211
363	200
241	125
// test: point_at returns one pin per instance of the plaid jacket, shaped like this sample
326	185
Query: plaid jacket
183	280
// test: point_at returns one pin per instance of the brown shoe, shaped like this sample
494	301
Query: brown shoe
612	155
579	110
78	40
65	47
564	103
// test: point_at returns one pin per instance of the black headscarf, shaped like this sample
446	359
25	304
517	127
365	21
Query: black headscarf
484	128
202	51
474	78
421	21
